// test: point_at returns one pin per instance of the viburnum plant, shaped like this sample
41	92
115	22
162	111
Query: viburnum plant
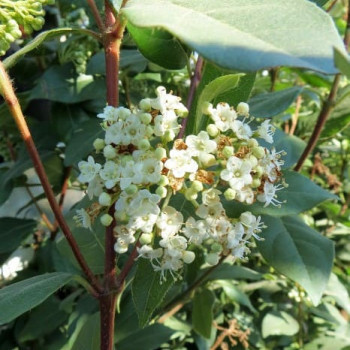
177	201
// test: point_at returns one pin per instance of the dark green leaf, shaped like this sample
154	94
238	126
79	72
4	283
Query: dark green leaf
13	231
148	291
273	103
202	312
159	47
300	195
89	335
320	2
61	84
279	323
149	338
43	320
298	252
81	143
248	43
22	296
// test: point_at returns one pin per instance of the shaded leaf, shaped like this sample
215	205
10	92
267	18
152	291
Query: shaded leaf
89	336
342	62
298	252
279	323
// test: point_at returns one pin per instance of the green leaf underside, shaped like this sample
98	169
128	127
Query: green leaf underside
279	323
298	252
250	42
147	291
38	40
342	62
202	312
273	103
159	47
89	335
25	295
300	195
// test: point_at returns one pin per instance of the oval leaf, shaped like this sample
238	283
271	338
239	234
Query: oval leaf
279	323
22	296
298	252
246	35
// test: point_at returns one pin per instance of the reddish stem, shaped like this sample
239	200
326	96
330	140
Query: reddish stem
96	15
16	111
195	79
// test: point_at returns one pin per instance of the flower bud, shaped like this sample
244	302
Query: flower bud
207	108
105	199
132	189
212	259
256	183
160	153
208	160
106	219
212	130
161	191
109	152
145	238
144	145
230	194
145	104
243	109
228	151
190	195
169	135
258	152
216	247
121	217
149	131
253	143
197	186
145	118
99	144
164	181
188	257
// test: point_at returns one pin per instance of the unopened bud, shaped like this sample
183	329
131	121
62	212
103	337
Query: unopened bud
105	199
243	109
161	191
230	194
197	186
109	152
106	219
99	144
188	257
212	130
228	151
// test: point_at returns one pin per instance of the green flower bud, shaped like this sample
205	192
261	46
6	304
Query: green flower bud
132	189
212	130
145	238
258	152
105	199
190	195
212	259
109	152
145	118
216	248
160	153
106	219
164	181
206	108
99	144
161	191
149	131
144	145
121	217
188	257
169	136
252	143
230	194
145	104
196	186
256	183
228	151
243	109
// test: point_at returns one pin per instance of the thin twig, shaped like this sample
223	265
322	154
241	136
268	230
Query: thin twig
195	79
96	15
295	116
11	100
327	107
331	5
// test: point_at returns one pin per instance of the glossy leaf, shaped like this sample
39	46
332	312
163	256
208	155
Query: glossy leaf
202	312
227	271
298	252
279	323
159	47
248	43
270	104
300	195
342	62
147	290
22	296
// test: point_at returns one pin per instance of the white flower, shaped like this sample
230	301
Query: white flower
223	116
88	170
242	130
200	146
110	113
95	187
196	231
269	195
145	222
151	169
211	196
245	194
130	173
164	123
252	223
148	252
169	221
144	203
235	236
266	131
114	133
110	174
82	218
180	163
237	173
210	212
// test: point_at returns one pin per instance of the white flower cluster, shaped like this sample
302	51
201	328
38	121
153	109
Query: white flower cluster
145	167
